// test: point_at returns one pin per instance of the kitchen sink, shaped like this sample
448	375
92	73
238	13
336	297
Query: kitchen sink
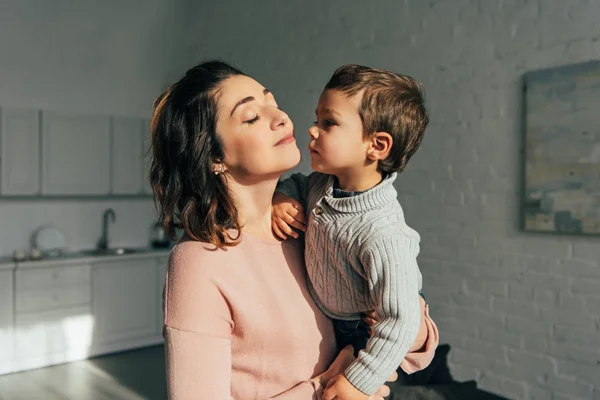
118	251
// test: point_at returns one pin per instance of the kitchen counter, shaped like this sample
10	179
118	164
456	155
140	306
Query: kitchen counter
6	263
82	257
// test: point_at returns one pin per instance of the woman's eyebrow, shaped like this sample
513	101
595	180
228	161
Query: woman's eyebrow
246	100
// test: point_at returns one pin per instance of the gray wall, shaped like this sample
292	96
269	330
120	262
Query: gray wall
521	311
96	57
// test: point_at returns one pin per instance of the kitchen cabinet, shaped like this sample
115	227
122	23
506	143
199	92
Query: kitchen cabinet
20	152
6	320
127	156
61	310
75	154
125	300
53	316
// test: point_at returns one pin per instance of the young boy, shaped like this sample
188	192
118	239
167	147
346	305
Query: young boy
360	253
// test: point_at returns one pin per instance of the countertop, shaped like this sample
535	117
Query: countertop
6	263
80	257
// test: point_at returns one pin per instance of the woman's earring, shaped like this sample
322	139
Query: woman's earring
220	170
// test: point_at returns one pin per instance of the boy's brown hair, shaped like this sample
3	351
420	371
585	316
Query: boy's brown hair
391	103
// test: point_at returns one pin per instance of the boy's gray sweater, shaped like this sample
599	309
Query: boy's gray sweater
360	256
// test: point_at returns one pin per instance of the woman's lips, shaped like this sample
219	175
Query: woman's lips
289	138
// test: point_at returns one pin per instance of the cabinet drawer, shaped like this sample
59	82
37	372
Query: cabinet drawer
38	334
52	277
48	299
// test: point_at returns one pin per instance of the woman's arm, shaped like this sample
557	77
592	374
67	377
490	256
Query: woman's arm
198	326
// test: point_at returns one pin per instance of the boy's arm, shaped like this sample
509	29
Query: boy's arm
296	187
391	265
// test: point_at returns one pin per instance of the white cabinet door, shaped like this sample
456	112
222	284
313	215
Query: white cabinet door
6	319
76	154
124	300
127	161
161	267
147	155
20	156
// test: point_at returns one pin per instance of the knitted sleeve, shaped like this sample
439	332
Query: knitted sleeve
296	187
392	270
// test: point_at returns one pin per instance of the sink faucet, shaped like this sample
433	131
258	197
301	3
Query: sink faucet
103	242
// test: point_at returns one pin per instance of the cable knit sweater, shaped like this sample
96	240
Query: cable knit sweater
360	255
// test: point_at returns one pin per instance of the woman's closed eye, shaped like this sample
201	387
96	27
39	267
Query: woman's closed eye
253	120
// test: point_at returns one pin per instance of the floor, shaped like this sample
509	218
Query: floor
132	375
140	374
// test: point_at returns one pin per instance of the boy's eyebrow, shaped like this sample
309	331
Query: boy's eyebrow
328	110
246	100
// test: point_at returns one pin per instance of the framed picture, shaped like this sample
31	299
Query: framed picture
562	150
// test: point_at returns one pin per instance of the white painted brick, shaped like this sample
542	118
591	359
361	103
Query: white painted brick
525	326
535	344
499	335
586	355
462	372
474	301
587	251
587	286
520	293
542	265
470	358
536	393
592	304
455	326
582	269
589	374
545	298
539	246
543	281
492	350
512	388
515	308
570	387
564	316
530	363
474	317
477	257
564	333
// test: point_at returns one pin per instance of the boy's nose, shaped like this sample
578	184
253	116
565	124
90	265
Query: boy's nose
313	132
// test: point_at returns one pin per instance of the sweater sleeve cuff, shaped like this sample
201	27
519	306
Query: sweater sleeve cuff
364	379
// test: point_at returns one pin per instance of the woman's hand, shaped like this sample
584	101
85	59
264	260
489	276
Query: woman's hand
287	213
335	374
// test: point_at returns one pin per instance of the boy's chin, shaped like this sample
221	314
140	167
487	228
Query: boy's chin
318	167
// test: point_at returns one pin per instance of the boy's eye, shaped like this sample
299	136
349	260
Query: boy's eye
253	120
327	123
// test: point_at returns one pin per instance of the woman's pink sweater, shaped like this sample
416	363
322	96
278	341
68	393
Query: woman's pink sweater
240	323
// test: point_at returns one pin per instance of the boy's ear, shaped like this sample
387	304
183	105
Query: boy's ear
380	144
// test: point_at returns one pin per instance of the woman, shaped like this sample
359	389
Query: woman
239	321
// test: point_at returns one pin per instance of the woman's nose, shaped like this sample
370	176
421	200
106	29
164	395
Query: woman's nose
280	119
313	132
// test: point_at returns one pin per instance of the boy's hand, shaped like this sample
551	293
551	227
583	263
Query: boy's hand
287	213
339	388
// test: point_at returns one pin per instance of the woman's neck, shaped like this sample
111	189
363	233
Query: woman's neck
254	203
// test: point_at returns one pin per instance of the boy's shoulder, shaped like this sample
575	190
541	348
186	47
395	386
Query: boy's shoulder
386	224
315	178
